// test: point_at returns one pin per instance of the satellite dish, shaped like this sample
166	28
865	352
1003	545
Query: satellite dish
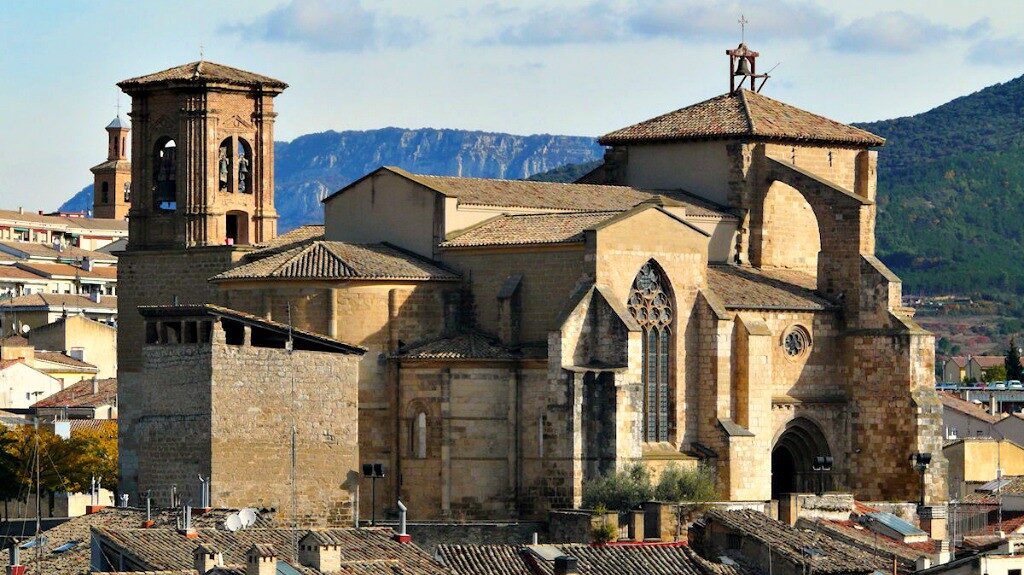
24	329
233	523
248	517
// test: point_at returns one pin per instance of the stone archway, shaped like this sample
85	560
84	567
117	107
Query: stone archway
793	458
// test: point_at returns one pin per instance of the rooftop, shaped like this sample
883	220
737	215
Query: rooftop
75	560
56	270
956	403
35	250
55	301
741	114
64	360
752	288
200	73
552	196
470	345
366	551
64	223
325	260
642	559
81	394
518	229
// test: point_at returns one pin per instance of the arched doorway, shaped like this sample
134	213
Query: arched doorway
793	458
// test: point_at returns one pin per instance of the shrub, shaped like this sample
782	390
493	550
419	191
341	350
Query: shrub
619	491
691	484
604	533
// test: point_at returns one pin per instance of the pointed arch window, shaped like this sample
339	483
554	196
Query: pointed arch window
650	302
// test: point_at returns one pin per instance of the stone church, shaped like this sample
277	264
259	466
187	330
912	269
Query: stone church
708	295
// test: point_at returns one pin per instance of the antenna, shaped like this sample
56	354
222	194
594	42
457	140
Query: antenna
233	523
200	52
248	517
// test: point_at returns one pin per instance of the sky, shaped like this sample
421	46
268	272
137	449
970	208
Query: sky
531	66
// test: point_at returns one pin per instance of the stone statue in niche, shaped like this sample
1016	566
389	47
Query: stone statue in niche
243	172
223	168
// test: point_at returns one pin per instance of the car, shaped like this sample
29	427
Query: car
996	385
1015	384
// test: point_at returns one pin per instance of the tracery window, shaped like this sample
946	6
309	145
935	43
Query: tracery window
650	302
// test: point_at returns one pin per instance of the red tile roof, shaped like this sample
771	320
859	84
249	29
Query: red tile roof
743	114
5	363
63	359
55	301
955	402
203	72
81	395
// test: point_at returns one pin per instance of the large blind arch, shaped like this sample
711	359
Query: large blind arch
652	305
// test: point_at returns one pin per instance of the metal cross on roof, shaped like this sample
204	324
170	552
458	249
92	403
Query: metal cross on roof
743	27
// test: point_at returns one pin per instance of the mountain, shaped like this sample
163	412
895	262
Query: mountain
312	166
951	194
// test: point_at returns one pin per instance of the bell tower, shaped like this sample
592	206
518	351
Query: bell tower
112	180
202	157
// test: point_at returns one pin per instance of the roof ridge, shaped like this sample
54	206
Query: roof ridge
330	249
745	108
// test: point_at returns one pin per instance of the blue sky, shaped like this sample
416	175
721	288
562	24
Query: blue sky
571	67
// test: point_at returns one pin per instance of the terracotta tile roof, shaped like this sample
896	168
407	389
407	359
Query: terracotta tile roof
16	273
299	235
63	359
789	543
1010	524
76	560
5	363
55	301
959	360
65	223
366	551
743	114
553	196
751	288
955	402
66	270
200	310
852	532
632	559
81	395
516	229
203	72
471	345
987	361
36	250
14	340
321	259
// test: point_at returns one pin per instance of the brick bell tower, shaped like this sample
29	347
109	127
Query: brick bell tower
202	157
203	187
112	180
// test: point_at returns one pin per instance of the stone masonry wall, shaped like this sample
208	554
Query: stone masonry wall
157	278
258	395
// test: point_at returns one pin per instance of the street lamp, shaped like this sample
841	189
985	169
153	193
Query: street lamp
920	462
822	463
373	471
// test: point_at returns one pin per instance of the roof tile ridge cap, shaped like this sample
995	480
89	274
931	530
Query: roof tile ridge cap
745	107
330	248
299	252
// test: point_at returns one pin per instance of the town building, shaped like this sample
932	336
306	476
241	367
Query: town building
88	399
64	229
112	182
709	294
24	313
21	385
968	368
80	338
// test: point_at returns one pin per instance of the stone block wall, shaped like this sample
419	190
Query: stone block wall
158	278
226	412
258	394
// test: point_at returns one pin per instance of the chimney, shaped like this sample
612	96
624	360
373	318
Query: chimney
206	558
21	210
96	390
402	536
261	559
320	552
15	568
566	565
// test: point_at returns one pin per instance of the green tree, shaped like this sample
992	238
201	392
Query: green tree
678	484
1014	370
619	491
997	373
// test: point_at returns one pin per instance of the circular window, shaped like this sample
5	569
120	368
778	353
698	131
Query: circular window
796	341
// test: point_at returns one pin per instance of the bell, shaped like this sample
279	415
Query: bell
742	67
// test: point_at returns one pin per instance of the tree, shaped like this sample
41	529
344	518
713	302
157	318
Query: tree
1014	370
997	373
97	449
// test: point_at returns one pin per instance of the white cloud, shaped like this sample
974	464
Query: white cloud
705	20
996	52
899	33
331	26
595	22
